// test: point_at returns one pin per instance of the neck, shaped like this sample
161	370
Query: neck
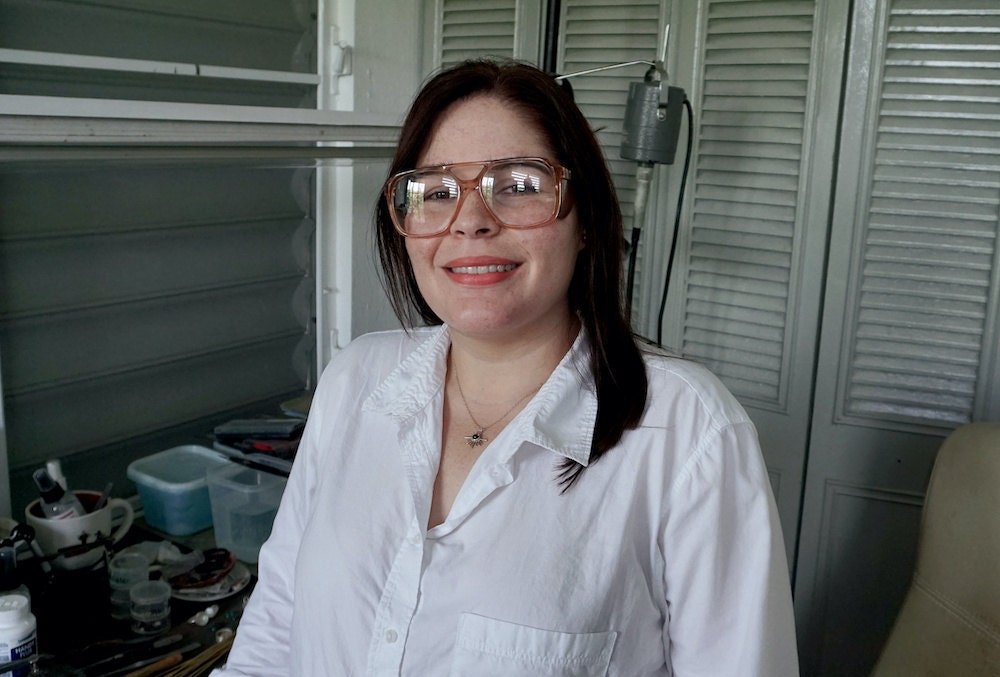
495	372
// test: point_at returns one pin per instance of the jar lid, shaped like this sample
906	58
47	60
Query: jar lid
13	604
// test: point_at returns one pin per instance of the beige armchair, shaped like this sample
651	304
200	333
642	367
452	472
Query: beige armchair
949	624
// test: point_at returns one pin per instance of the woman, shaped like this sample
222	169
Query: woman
515	489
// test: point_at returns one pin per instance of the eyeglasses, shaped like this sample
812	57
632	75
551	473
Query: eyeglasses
521	192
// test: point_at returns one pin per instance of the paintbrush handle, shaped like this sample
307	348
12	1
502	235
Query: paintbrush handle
105	495
158	666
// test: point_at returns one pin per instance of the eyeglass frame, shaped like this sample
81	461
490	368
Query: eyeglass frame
562	176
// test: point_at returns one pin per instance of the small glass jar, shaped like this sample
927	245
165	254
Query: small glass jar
150	607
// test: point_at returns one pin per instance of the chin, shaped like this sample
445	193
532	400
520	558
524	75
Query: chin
479	320
480	327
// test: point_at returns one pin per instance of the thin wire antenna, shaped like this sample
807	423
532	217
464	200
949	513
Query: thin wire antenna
666	41
604	68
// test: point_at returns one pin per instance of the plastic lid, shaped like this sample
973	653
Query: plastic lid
176	468
150	592
13	604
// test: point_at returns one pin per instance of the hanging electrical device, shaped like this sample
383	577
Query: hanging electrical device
651	129
650	133
652	118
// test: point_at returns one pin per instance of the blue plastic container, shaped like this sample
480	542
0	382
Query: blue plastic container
174	490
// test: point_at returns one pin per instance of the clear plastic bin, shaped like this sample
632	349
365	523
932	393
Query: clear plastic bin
244	503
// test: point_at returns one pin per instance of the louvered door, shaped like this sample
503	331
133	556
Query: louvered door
910	332
468	32
765	88
469	29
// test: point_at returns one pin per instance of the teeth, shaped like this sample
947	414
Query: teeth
479	270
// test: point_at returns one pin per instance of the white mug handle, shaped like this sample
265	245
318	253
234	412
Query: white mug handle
127	518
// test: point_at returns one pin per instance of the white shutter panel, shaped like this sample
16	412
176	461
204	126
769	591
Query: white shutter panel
471	29
746	209
141	297
925	287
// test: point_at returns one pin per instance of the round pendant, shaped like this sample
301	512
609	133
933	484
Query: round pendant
476	439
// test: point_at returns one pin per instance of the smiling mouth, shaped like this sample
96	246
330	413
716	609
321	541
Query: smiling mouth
482	270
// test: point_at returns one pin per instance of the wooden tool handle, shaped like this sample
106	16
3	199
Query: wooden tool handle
157	667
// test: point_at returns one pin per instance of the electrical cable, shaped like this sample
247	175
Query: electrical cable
550	45
677	222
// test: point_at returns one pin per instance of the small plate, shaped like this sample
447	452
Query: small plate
235	580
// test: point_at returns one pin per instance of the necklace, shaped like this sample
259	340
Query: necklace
477	439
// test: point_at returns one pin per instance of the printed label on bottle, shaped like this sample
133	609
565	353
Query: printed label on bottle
23	649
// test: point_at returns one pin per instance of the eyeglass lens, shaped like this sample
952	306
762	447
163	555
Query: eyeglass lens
519	193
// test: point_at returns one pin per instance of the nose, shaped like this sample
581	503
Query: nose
473	218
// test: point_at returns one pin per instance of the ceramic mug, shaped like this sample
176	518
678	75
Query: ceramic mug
77	540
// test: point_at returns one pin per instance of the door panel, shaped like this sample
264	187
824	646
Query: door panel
909	341
765	83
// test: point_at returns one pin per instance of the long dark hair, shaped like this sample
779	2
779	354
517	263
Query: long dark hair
595	291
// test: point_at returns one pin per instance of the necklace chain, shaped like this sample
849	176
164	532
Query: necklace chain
477	439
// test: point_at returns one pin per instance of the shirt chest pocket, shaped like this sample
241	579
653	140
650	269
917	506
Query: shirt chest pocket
486	647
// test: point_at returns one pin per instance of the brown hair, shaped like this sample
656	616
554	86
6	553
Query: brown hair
595	291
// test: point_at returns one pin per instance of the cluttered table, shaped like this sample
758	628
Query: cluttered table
82	631
88	587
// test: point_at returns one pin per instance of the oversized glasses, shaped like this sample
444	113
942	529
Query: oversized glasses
521	192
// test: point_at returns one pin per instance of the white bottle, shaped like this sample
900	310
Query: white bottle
17	632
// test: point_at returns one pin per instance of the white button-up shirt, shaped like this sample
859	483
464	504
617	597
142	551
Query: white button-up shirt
665	558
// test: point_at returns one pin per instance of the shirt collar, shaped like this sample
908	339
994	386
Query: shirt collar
559	418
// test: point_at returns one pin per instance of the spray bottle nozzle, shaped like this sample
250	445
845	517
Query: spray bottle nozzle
47	487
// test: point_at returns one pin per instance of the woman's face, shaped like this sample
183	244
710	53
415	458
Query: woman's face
528	295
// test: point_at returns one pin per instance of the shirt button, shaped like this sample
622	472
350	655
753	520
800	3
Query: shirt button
391	636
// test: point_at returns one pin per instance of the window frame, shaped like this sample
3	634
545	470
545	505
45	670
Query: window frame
36	130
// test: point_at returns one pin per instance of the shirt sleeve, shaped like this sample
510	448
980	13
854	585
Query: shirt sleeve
726	576
263	639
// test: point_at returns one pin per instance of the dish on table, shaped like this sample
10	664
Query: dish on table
235	580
